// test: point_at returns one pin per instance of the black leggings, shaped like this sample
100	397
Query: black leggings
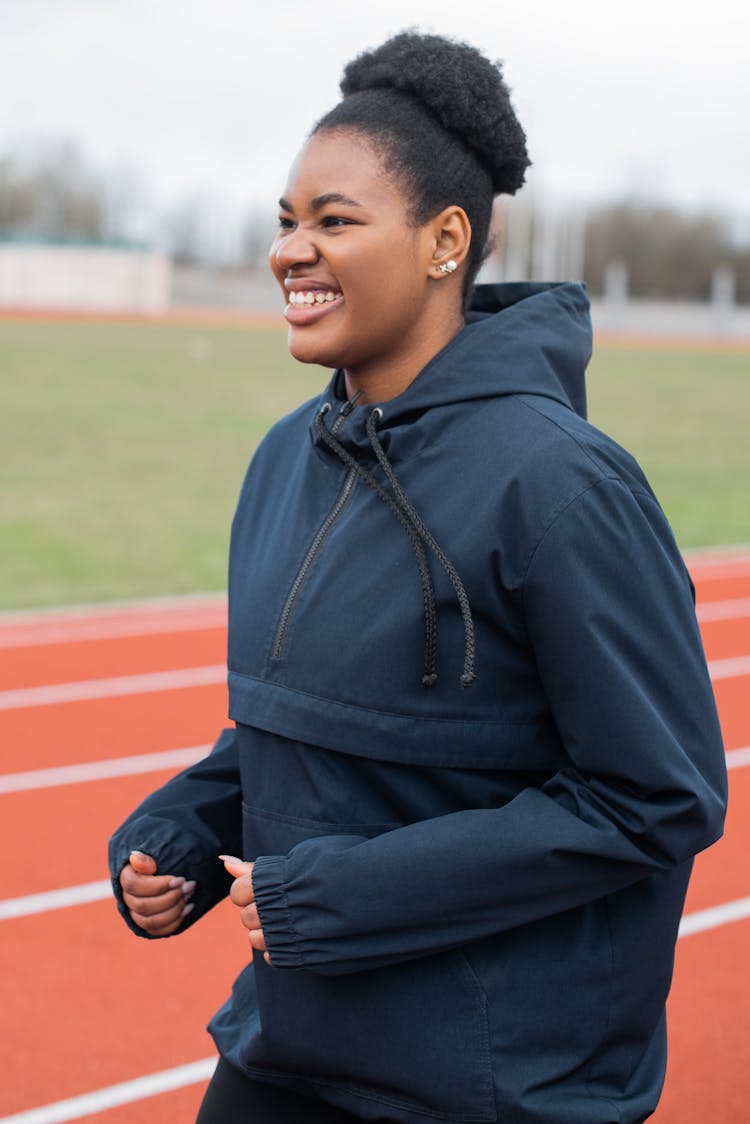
232	1098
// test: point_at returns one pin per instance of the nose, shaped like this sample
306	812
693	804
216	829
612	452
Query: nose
294	247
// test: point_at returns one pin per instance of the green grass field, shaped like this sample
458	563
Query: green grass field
124	446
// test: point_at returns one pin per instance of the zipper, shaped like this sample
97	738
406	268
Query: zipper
279	639
345	410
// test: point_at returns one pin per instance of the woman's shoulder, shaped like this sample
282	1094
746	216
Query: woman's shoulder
546	449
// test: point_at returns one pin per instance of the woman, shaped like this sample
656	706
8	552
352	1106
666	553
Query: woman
463	863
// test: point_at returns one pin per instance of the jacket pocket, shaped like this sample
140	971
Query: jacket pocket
266	832
412	1038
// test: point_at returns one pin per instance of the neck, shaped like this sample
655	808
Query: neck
386	379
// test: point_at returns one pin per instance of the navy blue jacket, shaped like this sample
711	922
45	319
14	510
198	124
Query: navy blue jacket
470	894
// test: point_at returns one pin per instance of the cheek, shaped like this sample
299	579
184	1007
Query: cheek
384	289
395	305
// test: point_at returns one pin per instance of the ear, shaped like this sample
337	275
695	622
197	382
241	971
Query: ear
451	238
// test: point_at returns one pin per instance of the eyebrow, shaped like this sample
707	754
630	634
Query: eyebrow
322	200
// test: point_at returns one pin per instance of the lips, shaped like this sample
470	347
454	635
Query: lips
309	301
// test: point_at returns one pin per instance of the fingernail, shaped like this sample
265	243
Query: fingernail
188	909
230	859
175	882
188	887
140	854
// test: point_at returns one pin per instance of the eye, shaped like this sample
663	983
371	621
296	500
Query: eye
285	223
334	221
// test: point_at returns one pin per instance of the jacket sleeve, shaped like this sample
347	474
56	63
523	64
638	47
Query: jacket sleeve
185	825
611	622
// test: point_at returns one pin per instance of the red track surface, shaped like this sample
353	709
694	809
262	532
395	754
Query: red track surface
85	1005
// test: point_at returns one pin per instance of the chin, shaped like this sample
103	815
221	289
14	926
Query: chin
311	351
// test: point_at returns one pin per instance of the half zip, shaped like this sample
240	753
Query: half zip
345	410
282	628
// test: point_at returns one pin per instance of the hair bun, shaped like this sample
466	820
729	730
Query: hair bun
464	90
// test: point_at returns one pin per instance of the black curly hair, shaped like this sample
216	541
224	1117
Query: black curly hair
442	118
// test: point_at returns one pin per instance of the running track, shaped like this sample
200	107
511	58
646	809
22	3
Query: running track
96	709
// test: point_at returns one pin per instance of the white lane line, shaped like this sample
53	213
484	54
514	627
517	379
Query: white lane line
721	564
712	918
111	688
102	770
734	609
702	576
55	899
91	610
112	1095
731	562
213	617
161	761
733	668
52	694
736	758
75	631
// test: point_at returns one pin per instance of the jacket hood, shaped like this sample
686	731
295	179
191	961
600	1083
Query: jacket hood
519	338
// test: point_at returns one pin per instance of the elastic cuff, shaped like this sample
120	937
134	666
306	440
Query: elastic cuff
281	938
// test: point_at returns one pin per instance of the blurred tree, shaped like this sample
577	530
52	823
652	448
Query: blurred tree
183	229
741	263
667	254
258	229
48	191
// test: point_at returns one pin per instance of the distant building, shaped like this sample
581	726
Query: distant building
84	278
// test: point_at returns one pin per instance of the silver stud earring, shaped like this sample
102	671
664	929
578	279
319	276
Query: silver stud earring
448	266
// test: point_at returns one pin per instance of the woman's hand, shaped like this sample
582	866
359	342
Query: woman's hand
243	896
156	902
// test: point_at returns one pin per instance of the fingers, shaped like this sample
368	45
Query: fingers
257	940
164	923
156	903
251	921
243	895
249	917
241	891
153	904
236	867
143	864
147	885
161	914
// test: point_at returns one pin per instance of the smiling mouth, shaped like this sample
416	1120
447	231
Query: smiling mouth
309	307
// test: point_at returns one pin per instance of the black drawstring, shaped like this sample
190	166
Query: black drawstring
469	674
428	594
415	529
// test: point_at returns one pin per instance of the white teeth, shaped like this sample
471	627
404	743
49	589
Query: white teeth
317	297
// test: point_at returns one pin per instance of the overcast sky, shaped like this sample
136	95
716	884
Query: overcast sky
649	97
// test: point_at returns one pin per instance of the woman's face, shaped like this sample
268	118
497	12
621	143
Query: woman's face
358	278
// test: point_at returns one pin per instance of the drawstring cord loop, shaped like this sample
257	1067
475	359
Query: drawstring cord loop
469	673
428	593
411	522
